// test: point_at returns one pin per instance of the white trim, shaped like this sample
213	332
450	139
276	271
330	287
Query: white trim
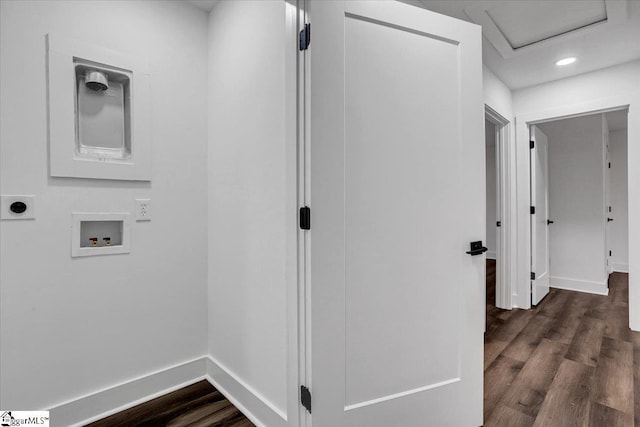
599	288
505	262
111	400
117	398
249	401
620	267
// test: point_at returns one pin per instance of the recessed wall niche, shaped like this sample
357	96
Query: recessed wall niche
103	111
98	112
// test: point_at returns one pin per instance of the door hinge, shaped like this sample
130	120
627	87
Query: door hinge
499	224
305	37
305	218
305	398
609	208
609	165
532	210
609	253
532	144
533	276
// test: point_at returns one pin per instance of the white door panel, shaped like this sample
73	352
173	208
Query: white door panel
539	224
397	194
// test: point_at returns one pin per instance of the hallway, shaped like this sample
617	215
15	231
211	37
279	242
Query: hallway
570	361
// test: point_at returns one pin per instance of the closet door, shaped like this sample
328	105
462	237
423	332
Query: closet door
396	194
540	221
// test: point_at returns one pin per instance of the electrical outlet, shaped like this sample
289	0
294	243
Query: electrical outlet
17	207
143	209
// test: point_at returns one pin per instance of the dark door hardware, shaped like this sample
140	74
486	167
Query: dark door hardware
305	398
476	248
532	210
305	218
549	222
305	37
499	224
609	219
533	276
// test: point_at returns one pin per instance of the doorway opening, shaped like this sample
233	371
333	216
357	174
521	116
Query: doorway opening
585	218
498	291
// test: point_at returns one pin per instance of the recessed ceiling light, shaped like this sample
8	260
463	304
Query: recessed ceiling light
566	61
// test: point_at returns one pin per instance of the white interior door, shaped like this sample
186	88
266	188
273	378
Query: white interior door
607	196
397	193
540	218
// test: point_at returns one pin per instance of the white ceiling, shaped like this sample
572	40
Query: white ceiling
205	5
604	44
507	24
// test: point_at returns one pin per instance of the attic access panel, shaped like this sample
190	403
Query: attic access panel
515	26
526	23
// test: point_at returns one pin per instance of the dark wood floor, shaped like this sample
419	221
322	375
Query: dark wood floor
198	405
570	361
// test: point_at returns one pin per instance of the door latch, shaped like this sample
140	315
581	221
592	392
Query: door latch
476	248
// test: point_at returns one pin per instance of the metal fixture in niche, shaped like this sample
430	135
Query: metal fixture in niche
96	80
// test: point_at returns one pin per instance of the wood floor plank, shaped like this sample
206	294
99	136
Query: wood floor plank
497	379
504	416
529	389
617	322
510	328
614	375
197	414
492	349
525	343
567	402
554	304
604	416
585	346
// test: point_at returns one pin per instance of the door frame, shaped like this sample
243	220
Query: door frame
522	187
503	211
302	305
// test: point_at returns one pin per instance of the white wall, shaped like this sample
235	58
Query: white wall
576	204
496	94
490	144
252	208
614	86
619	228
71	327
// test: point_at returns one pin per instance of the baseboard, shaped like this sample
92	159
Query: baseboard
95	406
251	403
491	255
599	288
620	267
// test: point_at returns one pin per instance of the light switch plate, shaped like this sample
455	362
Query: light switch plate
7	201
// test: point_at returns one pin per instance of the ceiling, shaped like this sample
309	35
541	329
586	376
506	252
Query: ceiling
524	38
205	5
